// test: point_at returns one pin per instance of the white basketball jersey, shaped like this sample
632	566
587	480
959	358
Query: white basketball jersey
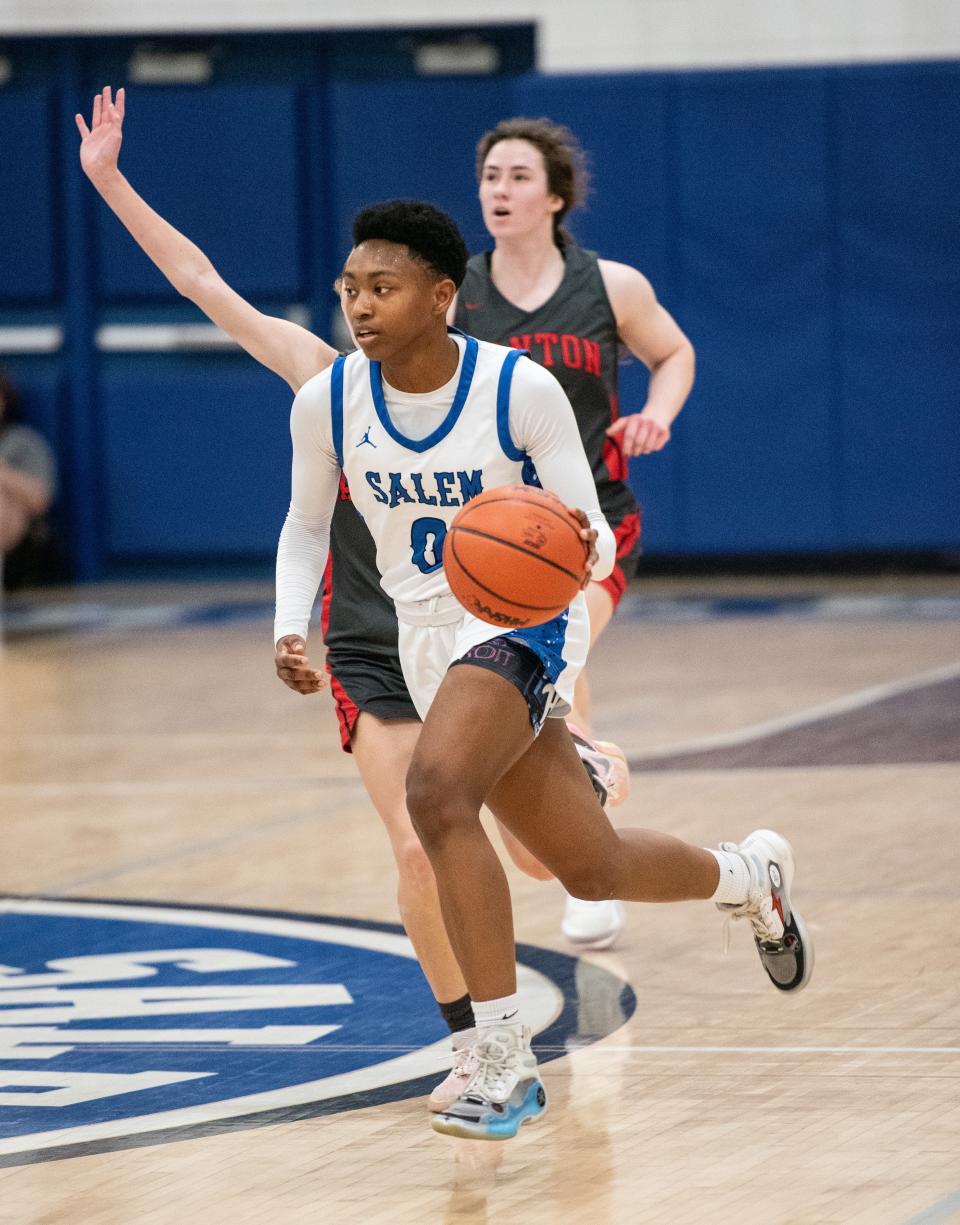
408	490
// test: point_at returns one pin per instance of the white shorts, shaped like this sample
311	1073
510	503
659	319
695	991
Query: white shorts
436	633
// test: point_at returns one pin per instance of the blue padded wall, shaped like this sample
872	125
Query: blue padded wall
27	189
898	219
223	165
752	231
196	455
411	138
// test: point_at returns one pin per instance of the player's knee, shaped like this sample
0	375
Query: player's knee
416	871
596	882
435	807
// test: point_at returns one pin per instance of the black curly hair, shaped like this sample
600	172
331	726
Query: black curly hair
428	233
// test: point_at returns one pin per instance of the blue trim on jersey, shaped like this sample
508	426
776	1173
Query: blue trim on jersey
503	405
529	474
336	407
547	642
445	426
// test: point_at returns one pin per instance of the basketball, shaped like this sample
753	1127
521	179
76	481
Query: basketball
514	556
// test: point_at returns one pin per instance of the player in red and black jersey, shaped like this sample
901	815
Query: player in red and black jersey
574	335
576	315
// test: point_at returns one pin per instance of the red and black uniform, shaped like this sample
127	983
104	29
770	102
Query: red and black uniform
574	336
359	626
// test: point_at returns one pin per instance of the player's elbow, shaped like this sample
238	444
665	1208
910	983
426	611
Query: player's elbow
606	557
682	358
688	357
196	279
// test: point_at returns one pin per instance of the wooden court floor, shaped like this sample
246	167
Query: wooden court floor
151	758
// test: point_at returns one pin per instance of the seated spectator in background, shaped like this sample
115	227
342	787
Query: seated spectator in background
28	482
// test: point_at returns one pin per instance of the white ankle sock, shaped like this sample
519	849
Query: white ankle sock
505	1011
734	886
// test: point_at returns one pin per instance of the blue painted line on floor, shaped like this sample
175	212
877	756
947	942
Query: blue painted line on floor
814	608
947	1210
90	617
99	618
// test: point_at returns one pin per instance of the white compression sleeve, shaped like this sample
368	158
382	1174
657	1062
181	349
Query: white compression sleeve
542	424
305	539
301	561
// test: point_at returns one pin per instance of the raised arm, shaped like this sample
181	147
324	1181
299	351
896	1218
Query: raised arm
651	333
283	347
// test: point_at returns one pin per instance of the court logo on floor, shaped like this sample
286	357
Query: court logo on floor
124	1022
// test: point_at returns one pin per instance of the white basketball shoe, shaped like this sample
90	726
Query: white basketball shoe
780	934
504	1092
592	925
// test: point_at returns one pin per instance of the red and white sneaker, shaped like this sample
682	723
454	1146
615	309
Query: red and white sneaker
464	1066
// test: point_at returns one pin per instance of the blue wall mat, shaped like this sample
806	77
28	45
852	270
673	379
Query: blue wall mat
412	138
27	193
899	227
196	456
753	229
222	164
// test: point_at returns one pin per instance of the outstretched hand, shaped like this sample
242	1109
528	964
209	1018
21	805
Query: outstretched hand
100	144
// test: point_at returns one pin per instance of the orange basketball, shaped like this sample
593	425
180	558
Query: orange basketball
514	556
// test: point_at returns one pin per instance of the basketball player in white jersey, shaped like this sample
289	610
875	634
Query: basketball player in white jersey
420	420
378	721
